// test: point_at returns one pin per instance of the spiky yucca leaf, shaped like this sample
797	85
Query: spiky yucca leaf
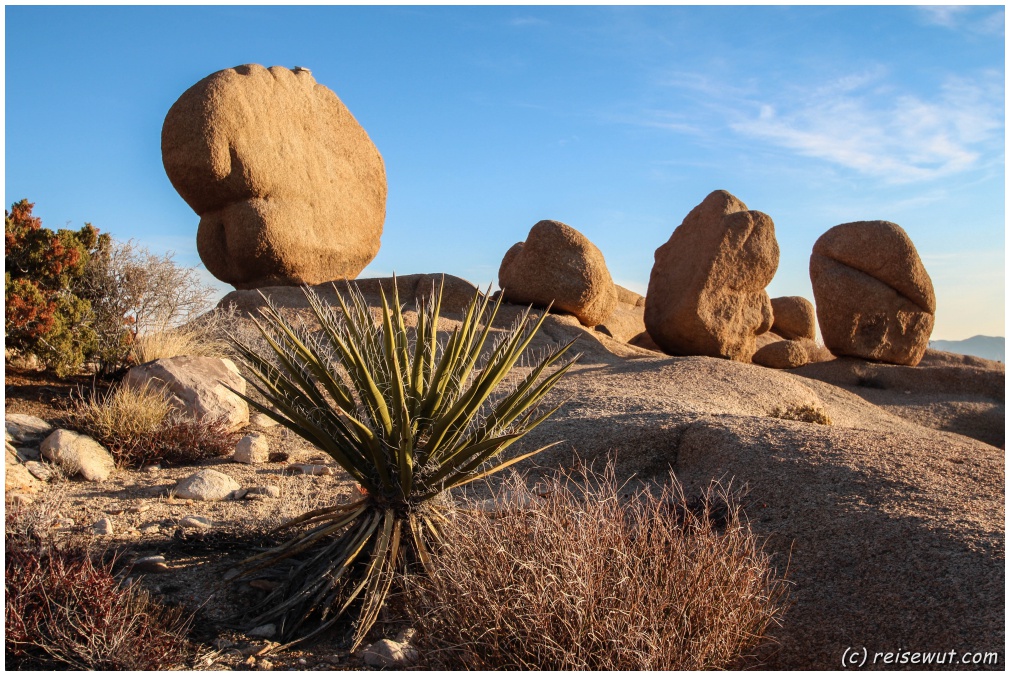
407	416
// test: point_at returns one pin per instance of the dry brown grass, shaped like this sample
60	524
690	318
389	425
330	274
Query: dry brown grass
139	427
586	578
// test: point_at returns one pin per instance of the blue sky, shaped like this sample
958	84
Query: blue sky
615	120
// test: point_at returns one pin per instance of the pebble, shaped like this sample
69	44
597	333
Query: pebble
193	521
150	565
206	484
311	470
150	528
252	449
264	491
137	509
103	527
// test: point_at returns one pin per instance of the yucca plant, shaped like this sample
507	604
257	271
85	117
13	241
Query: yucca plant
408	417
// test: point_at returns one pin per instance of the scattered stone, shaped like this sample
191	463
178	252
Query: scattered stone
138	509
289	188
262	420
150	565
26	429
312	470
707	287
386	653
794	317
38	470
200	522
103	527
27	453
874	298
263	631
152	469
252	449
207	484
559	264
78	454
264	492
147	529
197	386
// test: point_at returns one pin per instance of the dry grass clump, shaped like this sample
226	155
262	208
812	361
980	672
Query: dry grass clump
802	412
585	578
65	609
205	336
139	427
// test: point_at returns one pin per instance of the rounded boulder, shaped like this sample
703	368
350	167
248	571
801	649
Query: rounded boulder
558	264
874	298
288	186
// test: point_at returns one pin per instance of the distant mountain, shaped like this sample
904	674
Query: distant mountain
987	347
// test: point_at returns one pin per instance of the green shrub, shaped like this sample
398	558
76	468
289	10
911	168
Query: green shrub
577	576
407	416
45	315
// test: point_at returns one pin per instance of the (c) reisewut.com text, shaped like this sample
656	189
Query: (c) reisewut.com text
862	657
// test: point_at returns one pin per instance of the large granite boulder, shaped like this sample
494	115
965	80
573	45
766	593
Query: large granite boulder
707	288
196	385
874	298
287	184
558	264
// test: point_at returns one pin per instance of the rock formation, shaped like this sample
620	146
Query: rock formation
287	184
707	288
794	317
558	263
874	297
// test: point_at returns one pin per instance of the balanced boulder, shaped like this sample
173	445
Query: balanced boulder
707	288
196	385
874	297
558	264
794	317
287	184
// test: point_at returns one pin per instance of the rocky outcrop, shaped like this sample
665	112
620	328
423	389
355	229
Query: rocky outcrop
707	288
559	264
196	385
287	184
874	298
794	317
78	454
26	429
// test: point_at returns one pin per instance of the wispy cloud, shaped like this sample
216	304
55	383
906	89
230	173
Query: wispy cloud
983	20
859	123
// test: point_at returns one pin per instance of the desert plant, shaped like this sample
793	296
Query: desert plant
65	609
808	413
575	575
407	417
45	315
140	427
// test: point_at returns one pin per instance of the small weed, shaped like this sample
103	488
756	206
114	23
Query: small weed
803	412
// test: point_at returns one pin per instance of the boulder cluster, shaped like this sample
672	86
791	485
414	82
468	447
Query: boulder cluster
290	190
707	295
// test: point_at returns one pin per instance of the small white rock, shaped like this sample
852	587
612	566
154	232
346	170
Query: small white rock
103	527
207	484
78	454
193	521
252	449
386	653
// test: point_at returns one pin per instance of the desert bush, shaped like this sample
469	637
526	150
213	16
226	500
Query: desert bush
65	609
808	413
45	314
577	576
150	295
139	427
408	417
